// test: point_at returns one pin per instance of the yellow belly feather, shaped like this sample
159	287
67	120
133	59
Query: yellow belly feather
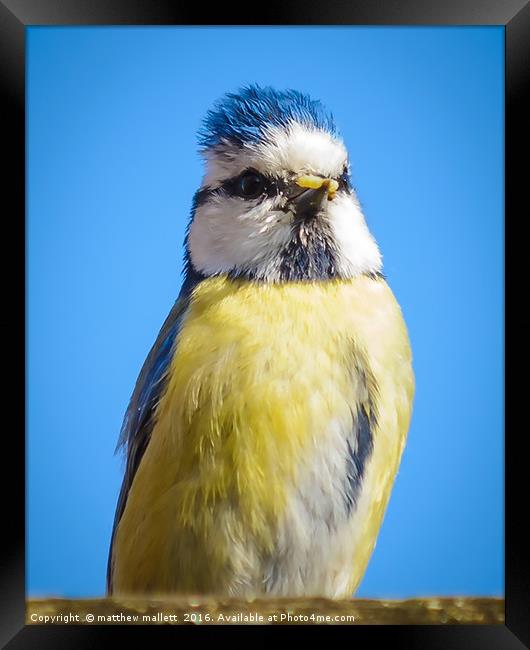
259	371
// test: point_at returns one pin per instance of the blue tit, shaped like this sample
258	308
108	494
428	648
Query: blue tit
267	424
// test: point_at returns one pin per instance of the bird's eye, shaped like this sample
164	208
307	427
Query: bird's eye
250	185
344	180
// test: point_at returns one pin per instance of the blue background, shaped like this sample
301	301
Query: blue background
112	168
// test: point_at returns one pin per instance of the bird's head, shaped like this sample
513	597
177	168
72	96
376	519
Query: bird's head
276	203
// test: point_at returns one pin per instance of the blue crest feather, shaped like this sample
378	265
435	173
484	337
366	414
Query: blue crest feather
242	117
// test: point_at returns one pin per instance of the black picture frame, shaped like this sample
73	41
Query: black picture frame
15	16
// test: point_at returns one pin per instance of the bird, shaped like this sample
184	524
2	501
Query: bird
267	424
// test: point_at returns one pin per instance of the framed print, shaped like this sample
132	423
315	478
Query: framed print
264	261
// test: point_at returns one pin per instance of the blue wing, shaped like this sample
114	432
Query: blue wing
359	452
360	443
138	421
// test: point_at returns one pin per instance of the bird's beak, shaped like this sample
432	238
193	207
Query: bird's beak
312	199
317	183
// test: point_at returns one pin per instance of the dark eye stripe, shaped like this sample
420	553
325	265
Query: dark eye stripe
273	187
202	196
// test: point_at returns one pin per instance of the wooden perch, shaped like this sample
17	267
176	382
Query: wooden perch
208	611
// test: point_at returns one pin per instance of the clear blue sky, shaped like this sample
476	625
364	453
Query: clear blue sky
112	168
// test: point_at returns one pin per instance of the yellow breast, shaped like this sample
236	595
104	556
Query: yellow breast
259	372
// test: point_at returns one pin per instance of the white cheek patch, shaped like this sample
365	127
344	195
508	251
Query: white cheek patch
357	249
297	149
227	234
